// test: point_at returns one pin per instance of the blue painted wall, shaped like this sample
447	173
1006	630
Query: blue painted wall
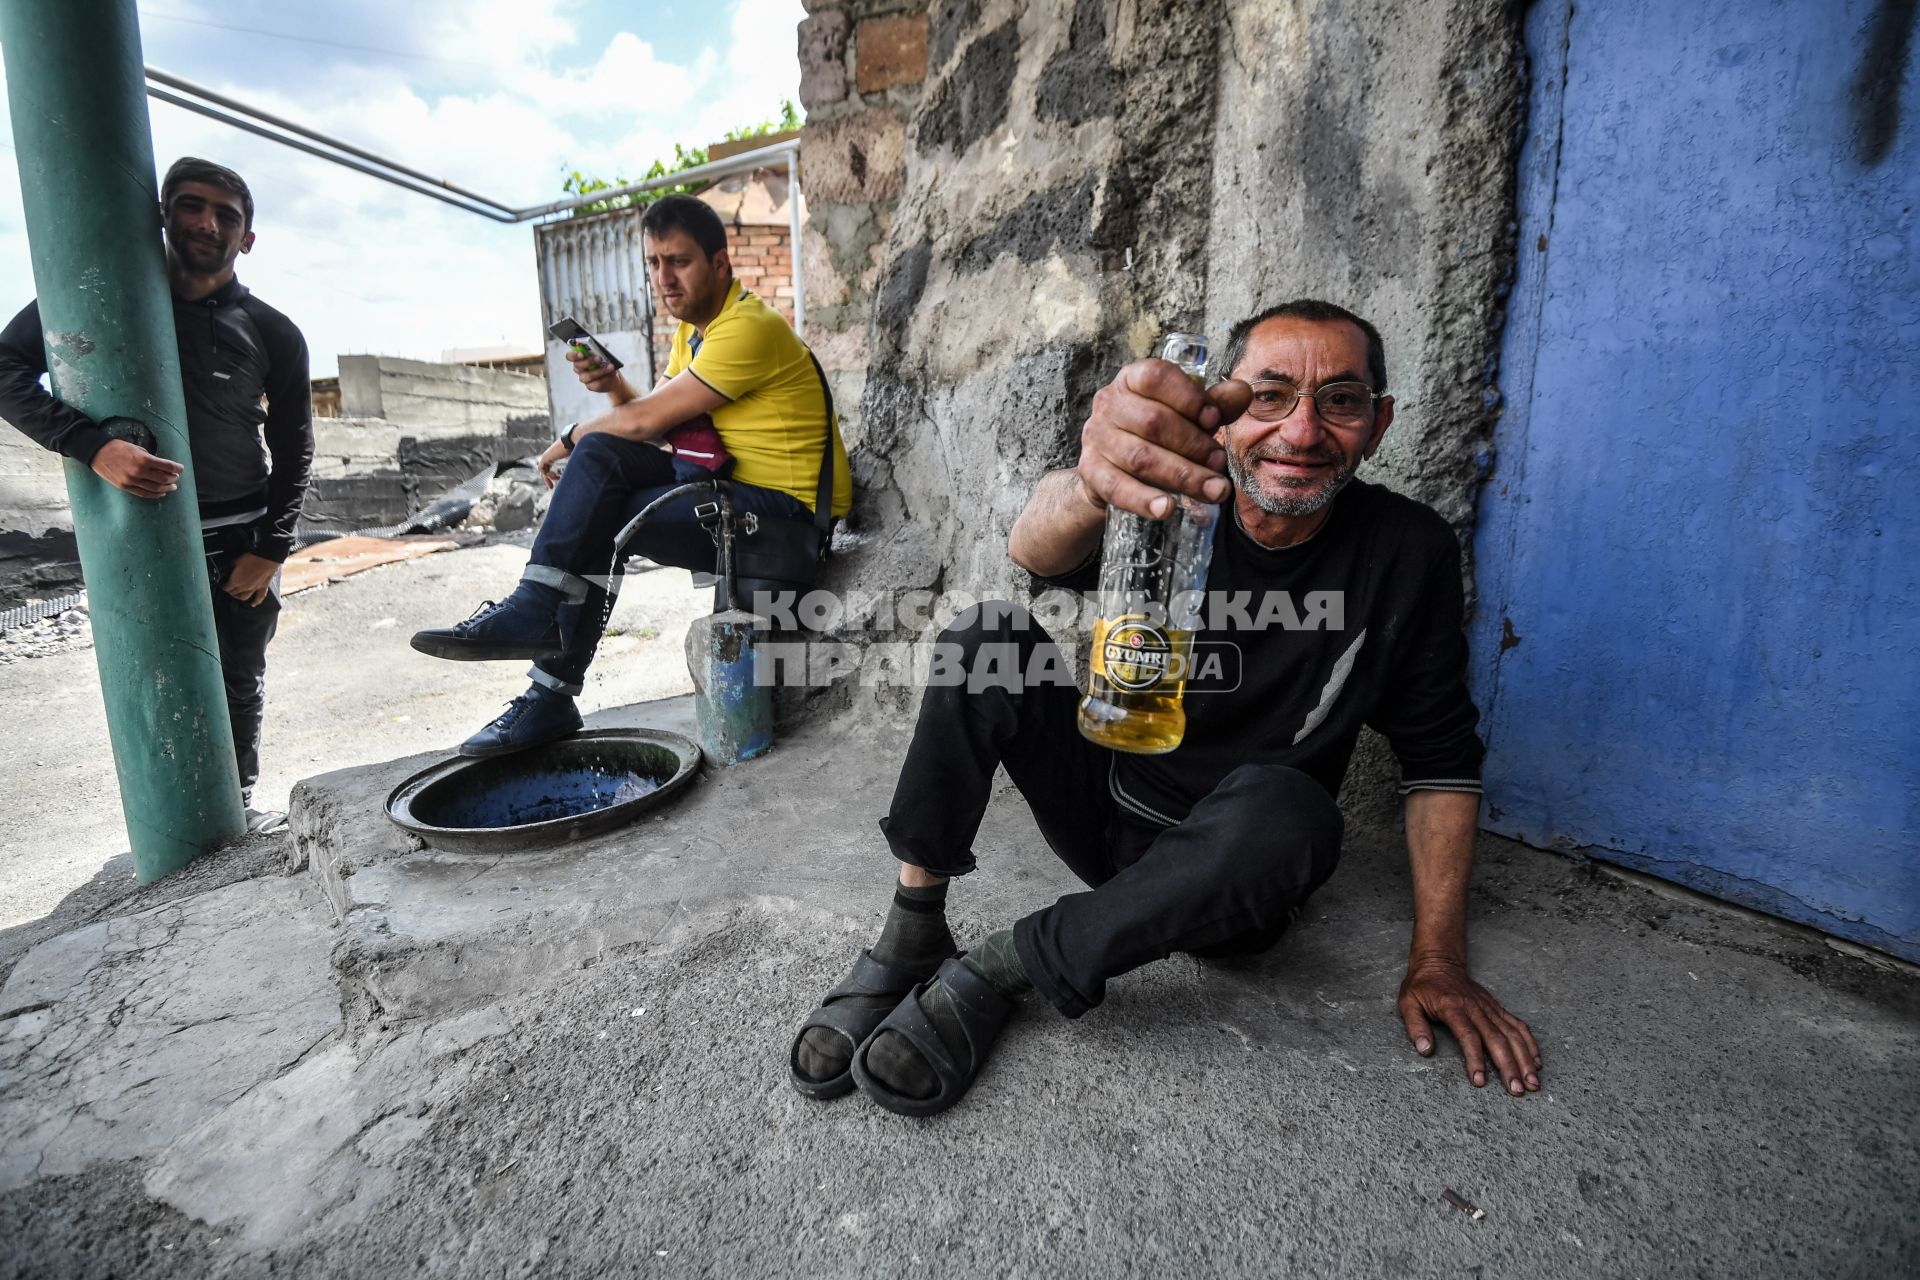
1698	638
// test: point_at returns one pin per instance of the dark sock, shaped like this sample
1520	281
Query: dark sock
998	961
916	939
894	1061
915	936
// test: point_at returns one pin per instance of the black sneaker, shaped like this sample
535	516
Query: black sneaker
516	629
537	716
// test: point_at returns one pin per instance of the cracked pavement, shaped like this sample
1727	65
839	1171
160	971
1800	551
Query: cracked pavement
117	1038
574	1062
335	1054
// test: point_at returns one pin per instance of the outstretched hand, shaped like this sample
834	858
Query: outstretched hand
1151	434
1440	991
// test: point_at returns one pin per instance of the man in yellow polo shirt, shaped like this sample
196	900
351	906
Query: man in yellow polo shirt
735	363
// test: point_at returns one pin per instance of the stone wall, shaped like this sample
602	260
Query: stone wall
1075	177
1367	156
862	63
1052	219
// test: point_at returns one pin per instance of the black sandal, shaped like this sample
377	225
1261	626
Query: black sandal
982	1010
868	977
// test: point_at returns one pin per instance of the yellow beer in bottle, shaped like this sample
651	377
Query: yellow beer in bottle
1152	574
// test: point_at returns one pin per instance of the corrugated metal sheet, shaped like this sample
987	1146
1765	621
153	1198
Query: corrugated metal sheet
594	269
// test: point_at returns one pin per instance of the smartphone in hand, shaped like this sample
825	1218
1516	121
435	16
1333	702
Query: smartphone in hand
568	330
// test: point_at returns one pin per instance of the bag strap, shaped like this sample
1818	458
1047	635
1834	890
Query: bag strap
823	500
823	492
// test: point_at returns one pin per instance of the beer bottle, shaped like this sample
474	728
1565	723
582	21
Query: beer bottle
1152	577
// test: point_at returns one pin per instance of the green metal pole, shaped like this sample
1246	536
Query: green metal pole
75	87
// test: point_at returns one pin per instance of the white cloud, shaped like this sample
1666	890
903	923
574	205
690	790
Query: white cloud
759	68
509	35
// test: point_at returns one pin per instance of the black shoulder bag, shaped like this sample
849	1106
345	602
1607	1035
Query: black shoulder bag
789	549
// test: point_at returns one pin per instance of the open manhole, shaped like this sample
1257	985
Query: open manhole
566	790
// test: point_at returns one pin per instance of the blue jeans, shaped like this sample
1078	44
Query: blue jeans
607	481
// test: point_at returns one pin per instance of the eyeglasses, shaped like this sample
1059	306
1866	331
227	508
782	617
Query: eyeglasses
1341	404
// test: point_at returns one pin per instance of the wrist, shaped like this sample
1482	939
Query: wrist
1092	499
1424	955
566	437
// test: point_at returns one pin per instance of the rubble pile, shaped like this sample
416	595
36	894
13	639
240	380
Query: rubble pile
514	500
72	629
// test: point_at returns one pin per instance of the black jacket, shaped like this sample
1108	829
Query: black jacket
1300	647
235	351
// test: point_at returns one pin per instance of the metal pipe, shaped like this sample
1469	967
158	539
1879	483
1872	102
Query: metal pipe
311	150
632	527
85	152
653	318
745	162
198	91
793	240
439	188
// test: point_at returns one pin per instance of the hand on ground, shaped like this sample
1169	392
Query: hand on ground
1151	434
1440	991
594	375
250	578
125	465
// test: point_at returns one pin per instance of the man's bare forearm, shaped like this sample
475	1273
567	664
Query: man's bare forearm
648	417
1440	832
1437	990
1060	527
632	419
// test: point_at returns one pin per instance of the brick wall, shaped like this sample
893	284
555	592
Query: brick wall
763	260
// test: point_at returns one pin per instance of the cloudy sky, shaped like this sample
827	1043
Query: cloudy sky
499	96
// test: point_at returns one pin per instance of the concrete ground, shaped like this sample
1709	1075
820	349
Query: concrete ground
334	1053
343	688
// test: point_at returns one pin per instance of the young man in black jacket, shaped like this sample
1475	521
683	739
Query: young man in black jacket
1341	604
235	353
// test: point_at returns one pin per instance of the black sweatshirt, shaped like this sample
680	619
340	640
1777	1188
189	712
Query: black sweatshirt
235	350
1386	650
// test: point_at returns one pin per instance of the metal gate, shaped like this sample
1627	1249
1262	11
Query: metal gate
594	269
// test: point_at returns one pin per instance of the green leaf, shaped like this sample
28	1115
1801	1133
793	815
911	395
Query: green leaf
684	158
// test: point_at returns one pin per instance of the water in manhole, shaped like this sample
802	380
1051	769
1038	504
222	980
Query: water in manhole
579	786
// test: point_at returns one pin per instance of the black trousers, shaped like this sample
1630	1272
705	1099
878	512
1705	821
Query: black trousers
1226	880
243	631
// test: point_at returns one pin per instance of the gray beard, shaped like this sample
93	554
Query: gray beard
1286	503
